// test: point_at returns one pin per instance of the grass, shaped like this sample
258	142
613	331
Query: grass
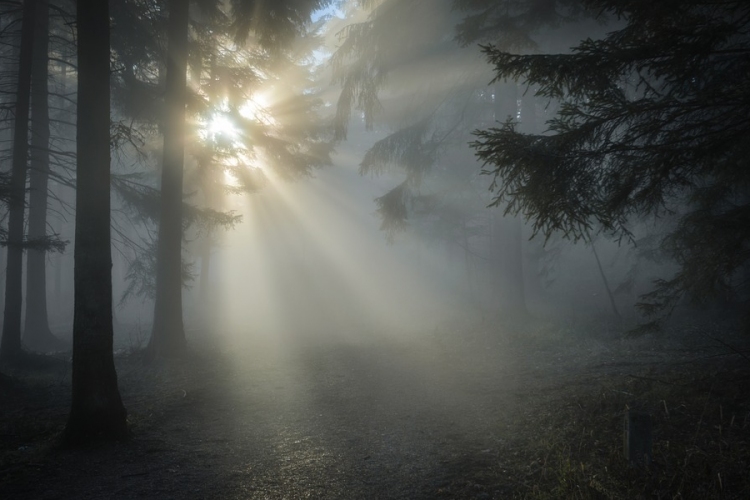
701	426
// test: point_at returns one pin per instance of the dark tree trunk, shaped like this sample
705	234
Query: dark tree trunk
168	335
10	346
37	334
96	411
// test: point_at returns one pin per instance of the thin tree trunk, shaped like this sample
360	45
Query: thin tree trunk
204	287
61	225
37	334
207	244
168	335
10	346
507	237
208	187
467	261
96	410
611	297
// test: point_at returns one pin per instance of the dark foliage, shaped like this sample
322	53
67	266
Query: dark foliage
654	118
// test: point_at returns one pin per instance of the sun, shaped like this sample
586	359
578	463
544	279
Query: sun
221	126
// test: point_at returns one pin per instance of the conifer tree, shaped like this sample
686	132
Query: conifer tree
36	328
96	411
273	25
10	346
389	50
653	120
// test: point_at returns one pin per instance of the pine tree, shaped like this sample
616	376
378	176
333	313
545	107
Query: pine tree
392	48
274	26
96	408
10	347
37	334
168	334
654	119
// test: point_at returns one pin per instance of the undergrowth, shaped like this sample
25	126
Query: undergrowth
701	428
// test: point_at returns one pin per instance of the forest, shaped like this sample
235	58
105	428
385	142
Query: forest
387	249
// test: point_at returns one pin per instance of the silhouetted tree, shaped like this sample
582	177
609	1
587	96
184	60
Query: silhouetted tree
10	347
96	409
36	328
387	49
274	25
168	334
654	117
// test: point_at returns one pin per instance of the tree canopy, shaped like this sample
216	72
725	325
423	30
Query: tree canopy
653	118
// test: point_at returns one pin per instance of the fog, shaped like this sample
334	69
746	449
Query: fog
427	248
319	253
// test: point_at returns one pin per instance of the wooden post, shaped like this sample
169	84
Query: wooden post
638	441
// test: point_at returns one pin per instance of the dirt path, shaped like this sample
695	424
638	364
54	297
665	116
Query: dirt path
318	418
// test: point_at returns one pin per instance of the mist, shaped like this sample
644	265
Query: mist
374	249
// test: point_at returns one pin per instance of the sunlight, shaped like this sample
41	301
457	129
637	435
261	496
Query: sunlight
309	259
230	179
220	125
256	108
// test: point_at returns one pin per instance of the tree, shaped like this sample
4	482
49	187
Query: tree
273	25
36	329
653	120
96	409
168	334
10	347
441	191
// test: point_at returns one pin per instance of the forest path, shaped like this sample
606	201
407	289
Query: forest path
341	419
438	415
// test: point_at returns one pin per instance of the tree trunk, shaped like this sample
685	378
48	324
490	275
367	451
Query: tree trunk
10	346
507	237
168	335
37	334
204	286
60	193
96	411
610	296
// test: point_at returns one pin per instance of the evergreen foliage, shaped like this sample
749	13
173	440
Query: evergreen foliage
511	24
653	120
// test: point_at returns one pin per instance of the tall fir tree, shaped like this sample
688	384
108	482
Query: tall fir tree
10	346
97	412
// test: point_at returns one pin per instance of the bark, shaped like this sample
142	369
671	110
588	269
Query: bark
37	334
96	411
10	346
168	335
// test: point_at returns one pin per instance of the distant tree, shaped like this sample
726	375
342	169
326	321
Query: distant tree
37	333
274	26
10	346
430	127
96	410
654	119
512	24
168	334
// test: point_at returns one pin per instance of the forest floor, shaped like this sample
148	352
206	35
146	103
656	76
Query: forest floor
464	411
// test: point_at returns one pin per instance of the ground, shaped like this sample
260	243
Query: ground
466	410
